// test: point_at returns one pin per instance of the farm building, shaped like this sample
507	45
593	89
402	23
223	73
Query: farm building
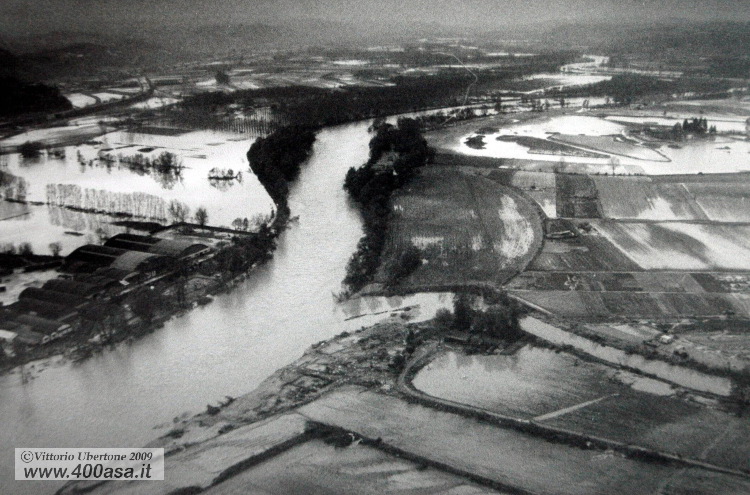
24	334
131	264
81	289
48	296
181	249
6	341
34	330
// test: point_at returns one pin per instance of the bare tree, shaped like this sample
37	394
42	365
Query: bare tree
55	248
178	211
201	216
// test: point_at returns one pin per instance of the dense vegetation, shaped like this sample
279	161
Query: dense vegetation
396	153
276	161
499	320
18	97
322	107
245	251
627	88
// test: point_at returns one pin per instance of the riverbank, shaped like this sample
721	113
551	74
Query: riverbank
294	404
168	293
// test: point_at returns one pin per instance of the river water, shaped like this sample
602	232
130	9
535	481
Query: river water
225	348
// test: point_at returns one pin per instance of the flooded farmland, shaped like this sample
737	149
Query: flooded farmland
610	136
225	348
560	390
77	196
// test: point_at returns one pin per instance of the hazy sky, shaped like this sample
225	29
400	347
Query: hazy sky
35	16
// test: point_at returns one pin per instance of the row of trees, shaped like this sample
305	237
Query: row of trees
396	153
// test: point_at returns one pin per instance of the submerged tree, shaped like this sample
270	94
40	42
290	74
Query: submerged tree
201	216
55	248
178	211
30	149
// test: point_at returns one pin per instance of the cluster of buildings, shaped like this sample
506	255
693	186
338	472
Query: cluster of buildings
94	279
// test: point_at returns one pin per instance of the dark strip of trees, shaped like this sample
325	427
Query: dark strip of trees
276	161
19	97
396	154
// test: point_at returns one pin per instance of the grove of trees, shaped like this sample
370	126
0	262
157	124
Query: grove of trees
371	186
276	161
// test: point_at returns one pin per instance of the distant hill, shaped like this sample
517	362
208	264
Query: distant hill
18	97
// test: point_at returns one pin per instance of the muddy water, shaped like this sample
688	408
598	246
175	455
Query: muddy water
680	375
225	348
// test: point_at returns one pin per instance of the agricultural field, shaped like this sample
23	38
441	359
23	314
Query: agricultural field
723	202
584	253
643	199
718	198
680	245
606	306
669	424
613	145
561	390
539	186
548	147
577	197
610	281
469	229
356	470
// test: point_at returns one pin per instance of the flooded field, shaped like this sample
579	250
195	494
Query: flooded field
680	246
467	227
529	383
506	456
560	390
679	375
96	188
623	156
316	468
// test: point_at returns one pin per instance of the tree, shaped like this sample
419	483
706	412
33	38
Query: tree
178	211
499	321
462	311
55	248
409	260
30	149
222	77
25	249
201	216
146	303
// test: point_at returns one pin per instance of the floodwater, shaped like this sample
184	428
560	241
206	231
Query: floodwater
121	189
717	155
531	382
679	375
723	124
225	348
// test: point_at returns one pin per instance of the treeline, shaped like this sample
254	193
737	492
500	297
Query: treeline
18	97
276	161
305	105
205	114
625	89
396	154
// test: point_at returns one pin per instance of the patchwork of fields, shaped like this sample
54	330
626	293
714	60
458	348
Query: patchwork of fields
469	229
680	245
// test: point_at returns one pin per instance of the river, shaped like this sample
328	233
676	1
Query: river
225	348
